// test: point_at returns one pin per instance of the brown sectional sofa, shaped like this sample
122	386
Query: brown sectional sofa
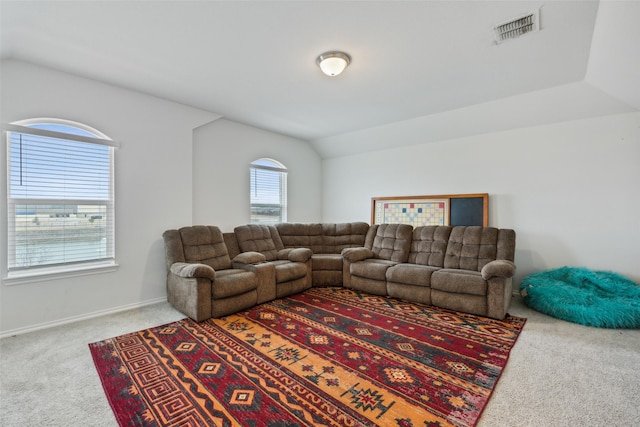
213	274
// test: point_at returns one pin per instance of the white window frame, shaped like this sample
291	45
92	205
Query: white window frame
268	165
15	273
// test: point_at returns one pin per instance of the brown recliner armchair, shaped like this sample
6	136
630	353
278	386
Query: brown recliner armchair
292	265
202	280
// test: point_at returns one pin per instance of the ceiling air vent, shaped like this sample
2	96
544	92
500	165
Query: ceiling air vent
516	27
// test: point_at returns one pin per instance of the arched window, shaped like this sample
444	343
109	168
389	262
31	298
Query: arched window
60	198
268	191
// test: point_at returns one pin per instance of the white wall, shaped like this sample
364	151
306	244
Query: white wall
222	153
570	190
614	63
152	183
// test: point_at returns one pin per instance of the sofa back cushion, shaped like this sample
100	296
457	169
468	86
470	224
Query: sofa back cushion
390	241
329	238
472	247
429	245
259	238
296	235
198	244
338	236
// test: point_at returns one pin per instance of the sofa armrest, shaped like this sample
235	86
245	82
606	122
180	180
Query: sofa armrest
498	268
284	253
187	270
249	258
300	255
295	254
357	254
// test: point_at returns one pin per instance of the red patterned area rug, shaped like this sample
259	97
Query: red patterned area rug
325	357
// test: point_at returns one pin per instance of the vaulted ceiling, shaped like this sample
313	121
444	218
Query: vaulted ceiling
430	61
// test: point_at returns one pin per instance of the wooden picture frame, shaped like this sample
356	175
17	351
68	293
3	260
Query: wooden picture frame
446	209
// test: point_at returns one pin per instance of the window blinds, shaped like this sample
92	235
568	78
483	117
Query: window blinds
60	198
268	194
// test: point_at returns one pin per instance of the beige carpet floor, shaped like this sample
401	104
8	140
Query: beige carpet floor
559	374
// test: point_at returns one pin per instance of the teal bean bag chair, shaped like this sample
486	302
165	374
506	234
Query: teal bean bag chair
592	298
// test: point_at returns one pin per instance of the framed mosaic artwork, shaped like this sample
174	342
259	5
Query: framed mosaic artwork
449	209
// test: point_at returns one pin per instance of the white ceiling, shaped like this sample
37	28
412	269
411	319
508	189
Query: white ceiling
429	61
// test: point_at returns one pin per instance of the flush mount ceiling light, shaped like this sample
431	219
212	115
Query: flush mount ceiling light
333	63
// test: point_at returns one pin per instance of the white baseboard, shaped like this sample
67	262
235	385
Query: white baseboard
73	319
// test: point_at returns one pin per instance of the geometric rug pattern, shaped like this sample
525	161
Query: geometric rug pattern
324	357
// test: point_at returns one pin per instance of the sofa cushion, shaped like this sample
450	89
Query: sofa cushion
326	262
295	235
259	238
411	274
390	241
338	236
459	281
471	247
329	238
373	268
429	245
205	245
287	270
233	282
